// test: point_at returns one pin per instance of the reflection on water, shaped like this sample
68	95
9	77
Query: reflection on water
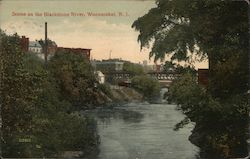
105	116
143	131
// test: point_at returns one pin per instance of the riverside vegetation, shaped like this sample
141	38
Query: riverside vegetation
195	30
40	103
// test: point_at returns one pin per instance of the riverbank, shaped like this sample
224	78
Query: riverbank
118	95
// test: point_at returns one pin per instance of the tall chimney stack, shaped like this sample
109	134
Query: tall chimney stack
46	44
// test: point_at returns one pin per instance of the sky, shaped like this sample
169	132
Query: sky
105	35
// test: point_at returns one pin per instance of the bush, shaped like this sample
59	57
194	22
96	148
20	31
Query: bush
74	77
220	123
105	88
37	119
149	87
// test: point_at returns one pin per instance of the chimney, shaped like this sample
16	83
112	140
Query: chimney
46	44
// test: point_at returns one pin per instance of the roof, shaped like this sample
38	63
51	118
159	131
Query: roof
108	62
67	48
34	44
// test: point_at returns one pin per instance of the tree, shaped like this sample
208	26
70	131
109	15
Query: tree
36	120
170	66
55	128
204	28
217	30
75	78
133	69
19	89
149	87
50	44
220	125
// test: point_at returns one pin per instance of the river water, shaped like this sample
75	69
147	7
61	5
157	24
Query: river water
143	131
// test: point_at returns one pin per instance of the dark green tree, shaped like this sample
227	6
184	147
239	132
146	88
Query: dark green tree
170	66
36	120
149	87
50	43
217	30
75	78
133	69
204	28
19	89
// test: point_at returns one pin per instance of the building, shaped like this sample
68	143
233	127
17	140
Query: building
24	43
153	68
52	47
111	65
100	77
203	77
79	51
35	47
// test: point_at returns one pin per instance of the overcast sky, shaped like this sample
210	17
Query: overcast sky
99	33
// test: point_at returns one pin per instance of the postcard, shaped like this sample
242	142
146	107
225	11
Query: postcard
124	79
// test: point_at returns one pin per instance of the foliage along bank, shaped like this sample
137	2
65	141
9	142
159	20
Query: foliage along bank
220	129
195	30
39	104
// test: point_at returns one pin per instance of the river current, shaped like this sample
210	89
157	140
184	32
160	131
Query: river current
143	131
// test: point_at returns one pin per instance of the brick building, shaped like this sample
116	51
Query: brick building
203	77
36	47
79	51
24	43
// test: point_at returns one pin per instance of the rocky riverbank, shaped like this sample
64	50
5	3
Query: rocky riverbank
119	94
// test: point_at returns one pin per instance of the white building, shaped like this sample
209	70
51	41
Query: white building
100	77
35	47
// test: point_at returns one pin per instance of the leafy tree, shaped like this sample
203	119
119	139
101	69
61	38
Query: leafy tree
75	78
169	66
42	43
149	87
204	28
215	119
19	89
55	127
217	30
36	120
133	69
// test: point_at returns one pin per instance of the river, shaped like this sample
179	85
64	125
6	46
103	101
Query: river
143	131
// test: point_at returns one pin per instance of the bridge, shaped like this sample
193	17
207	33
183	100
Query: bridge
164	78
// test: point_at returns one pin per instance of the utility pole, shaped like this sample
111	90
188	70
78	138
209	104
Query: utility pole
46	45
248	140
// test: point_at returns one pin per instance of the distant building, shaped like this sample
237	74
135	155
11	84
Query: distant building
79	51
35	47
100	77
52	47
109	65
24	42
203	77
153	68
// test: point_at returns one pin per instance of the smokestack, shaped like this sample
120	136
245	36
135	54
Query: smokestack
46	44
